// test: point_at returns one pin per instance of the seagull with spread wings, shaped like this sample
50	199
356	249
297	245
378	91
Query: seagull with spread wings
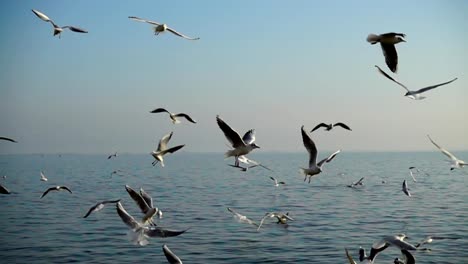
56	188
241	218
282	218
387	43
455	162
160	28
173	116
163	150
329	127
57	29
98	207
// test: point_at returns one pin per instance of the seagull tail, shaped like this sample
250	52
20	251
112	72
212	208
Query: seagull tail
372	38
138	237
303	171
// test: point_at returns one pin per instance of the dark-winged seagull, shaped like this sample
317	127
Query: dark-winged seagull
329	127
455	162
354	184
387	42
241	218
242	146
415	95
170	256
4	190
57	29
160	28
282	218
56	188
112	156
314	167
405	188
173	116
99	207
43	177
8	139
277	183
163	150
409	259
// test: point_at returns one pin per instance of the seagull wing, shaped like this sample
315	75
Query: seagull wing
391	56
310	146
409	258
92	209
186	117
144	20
144	207
8	139
172	150
180	34
276	182
75	29
48	190
342	125
448	154
65	188
393	34
4	190
249	137
319	126
263	219
388	76
359	182
350	259
41	15
161	232
376	250
110	201
160	110
170	256
146	197
231	135
126	217
422	90
163	142
329	158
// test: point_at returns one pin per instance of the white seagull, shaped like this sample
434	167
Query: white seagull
160	28
174	116
405	188
242	146
170	256
354	184
247	161
99	207
455	162
377	247
415	95
314	167
145	203
56	188
43	177
282	218
387	43
241	218
163	150
57	29
276	181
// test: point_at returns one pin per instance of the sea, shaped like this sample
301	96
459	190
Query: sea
193	191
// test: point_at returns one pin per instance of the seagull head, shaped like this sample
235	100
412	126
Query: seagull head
254	146
400	39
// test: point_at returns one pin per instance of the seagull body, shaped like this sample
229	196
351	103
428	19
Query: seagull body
241	146
160	28
170	256
455	162
415	95
405	188
241	218
163	150
43	177
282	218
4	190
8	139
57	29
99	207
56	188
387	43
112	155
314	167
276	182
174	116
354	184
329	127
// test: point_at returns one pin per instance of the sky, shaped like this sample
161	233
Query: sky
269	65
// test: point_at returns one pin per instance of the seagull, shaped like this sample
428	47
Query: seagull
160	28
57	30
163	150
276	182
409	259
456	163
415	95
387	43
99	207
314	167
354	184
4	190
141	231
174	116
8	139
350	258
170	256
282	218
43	177
405	188
241	218
329	127
247	161
56	188
145	203
242	146
377	247
112	155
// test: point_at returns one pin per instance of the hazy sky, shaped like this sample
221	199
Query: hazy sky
268	65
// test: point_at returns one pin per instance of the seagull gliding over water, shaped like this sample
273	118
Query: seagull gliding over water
163	150
57	29
173	116
56	188
455	162
160	28
99	207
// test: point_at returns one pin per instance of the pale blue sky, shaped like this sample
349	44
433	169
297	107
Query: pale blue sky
268	65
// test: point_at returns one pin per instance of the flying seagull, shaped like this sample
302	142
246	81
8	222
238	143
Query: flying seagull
99	207
170	256
112	155
377	247
4	190
242	146
409	259
314	167
56	188
415	95
276	181
354	184
144	202
405	188
387	43
8	139
329	127
241	218
43	177
163	150
173	116
160	28
57	29
247	161
455	162
282	218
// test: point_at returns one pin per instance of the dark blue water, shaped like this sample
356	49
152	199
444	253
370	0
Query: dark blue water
195	189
